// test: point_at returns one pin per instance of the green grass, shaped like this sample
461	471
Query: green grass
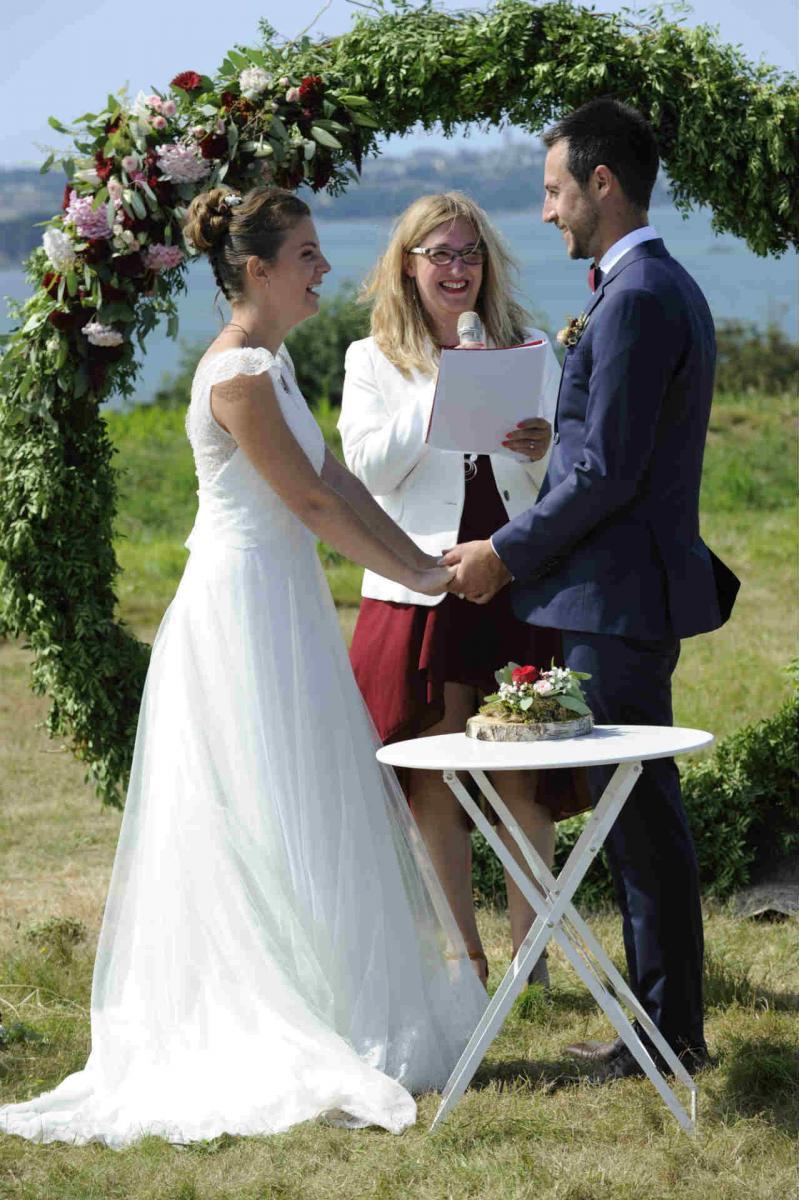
523	1131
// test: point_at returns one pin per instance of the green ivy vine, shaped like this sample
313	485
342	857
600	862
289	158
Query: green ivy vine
113	260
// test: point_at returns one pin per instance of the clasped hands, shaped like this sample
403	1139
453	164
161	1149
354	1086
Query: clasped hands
479	571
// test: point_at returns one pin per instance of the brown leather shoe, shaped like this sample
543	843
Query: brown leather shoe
595	1052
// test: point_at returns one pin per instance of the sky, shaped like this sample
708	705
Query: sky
64	59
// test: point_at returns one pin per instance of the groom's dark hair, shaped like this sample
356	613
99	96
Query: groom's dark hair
614	135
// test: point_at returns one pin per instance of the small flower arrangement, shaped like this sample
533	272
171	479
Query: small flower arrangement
532	694
575	327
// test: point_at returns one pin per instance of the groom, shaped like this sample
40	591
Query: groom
611	552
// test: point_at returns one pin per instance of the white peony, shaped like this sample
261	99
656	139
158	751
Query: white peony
254	81
102	335
59	249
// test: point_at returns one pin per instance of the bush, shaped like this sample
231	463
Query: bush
755	359
742	803
318	346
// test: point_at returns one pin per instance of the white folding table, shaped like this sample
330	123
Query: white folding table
622	746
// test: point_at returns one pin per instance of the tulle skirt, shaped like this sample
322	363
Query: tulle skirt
275	945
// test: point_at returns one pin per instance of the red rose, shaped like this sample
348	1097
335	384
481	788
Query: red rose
228	100
187	81
213	145
129	265
321	173
525	674
112	294
97	250
62	321
50	282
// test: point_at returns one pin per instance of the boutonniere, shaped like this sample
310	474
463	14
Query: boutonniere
570	336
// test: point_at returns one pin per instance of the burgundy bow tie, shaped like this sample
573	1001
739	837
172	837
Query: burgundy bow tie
594	276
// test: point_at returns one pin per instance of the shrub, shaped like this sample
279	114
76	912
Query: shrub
751	358
742	803
318	347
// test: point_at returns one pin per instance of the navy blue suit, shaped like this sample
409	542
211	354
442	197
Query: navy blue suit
611	554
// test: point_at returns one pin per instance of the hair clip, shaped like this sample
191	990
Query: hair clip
231	199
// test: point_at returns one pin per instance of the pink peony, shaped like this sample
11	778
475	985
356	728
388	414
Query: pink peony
89	222
180	163
162	258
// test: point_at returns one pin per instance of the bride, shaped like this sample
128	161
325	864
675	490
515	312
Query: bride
275	945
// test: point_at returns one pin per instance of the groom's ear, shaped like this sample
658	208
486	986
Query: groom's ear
603	180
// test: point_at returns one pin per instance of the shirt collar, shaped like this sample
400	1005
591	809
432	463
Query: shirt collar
620	248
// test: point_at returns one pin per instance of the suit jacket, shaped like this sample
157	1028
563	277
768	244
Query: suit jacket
383	423
612	544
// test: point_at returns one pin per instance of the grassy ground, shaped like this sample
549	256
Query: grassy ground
521	1131
524	1129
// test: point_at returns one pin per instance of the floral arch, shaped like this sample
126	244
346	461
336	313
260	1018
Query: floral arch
113	261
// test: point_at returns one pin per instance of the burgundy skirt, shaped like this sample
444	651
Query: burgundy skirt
403	654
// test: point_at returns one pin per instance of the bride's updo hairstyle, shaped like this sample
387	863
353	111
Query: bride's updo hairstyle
230	229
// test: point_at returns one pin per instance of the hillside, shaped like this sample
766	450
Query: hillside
504	179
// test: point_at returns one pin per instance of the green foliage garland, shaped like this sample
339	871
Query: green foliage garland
114	260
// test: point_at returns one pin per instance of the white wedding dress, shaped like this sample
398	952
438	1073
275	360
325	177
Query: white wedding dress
275	945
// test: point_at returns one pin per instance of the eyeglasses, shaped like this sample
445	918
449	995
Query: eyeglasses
443	256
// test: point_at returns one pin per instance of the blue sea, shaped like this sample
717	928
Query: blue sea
736	282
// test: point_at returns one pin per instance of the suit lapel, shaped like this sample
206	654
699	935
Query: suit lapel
651	249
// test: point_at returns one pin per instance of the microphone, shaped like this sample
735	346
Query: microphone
470	330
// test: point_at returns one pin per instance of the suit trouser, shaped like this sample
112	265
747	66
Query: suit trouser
650	848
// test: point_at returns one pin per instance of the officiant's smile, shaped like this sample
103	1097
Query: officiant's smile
447	267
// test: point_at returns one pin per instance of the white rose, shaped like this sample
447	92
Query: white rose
59	249
254	81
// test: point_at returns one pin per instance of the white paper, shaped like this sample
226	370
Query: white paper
482	394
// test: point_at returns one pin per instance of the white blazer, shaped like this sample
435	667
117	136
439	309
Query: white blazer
384	418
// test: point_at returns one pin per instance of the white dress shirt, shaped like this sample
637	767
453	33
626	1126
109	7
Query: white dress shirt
647	233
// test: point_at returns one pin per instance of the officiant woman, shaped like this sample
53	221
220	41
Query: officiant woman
423	663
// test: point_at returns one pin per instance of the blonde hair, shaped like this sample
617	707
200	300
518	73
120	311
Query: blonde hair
400	326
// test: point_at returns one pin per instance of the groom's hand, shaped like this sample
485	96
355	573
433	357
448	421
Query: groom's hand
479	572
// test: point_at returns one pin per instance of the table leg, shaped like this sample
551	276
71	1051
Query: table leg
580	929
552	908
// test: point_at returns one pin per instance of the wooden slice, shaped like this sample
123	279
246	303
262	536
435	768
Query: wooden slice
492	729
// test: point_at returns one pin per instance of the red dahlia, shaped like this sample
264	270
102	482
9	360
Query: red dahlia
187	81
312	89
103	166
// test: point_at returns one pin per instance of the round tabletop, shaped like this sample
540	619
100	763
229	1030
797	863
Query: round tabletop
605	745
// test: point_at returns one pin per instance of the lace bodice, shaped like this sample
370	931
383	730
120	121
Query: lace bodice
212	445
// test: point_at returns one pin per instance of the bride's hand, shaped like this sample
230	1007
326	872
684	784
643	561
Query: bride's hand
432	582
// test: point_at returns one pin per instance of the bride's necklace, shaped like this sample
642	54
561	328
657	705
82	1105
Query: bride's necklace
241	329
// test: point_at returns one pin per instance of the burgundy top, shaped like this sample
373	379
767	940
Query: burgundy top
402	654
